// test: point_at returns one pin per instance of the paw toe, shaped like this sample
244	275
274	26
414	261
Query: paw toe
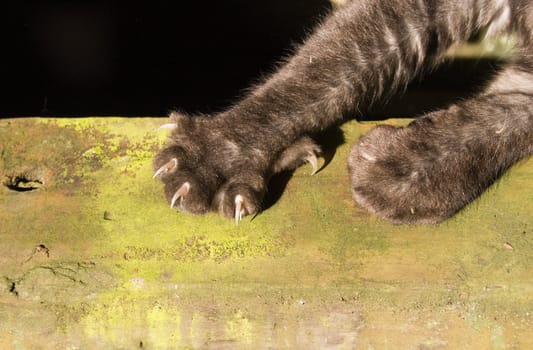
166	168
236	200
188	196
180	194
304	150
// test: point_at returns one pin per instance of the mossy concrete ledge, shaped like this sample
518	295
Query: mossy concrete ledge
91	257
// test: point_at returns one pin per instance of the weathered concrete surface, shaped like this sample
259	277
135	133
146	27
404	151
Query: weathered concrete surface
91	257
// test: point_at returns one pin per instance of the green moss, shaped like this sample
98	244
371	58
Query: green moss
161	277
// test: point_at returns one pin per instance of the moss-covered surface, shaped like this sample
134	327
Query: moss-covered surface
91	256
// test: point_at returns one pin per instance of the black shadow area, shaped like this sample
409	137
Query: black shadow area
141	58
454	80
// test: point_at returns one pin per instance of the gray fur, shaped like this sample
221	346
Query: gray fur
362	53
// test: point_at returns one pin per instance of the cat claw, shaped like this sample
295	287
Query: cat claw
171	165
180	194
239	212
173	122
170	126
313	160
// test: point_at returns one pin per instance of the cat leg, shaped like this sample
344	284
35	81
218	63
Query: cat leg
361	53
427	171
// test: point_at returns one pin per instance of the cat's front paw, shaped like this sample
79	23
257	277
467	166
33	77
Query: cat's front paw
204	168
411	175
207	167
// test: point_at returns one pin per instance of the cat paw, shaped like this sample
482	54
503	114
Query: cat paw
205	168
304	150
411	175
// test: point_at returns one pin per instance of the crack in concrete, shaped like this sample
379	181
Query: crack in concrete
53	282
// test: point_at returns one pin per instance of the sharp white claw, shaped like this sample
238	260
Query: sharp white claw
173	163
170	126
239	212
312	159
180	194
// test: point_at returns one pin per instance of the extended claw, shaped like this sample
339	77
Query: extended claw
239	212
173	163
180	194
174	117
170	126
313	160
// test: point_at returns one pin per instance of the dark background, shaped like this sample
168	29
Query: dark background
142	58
